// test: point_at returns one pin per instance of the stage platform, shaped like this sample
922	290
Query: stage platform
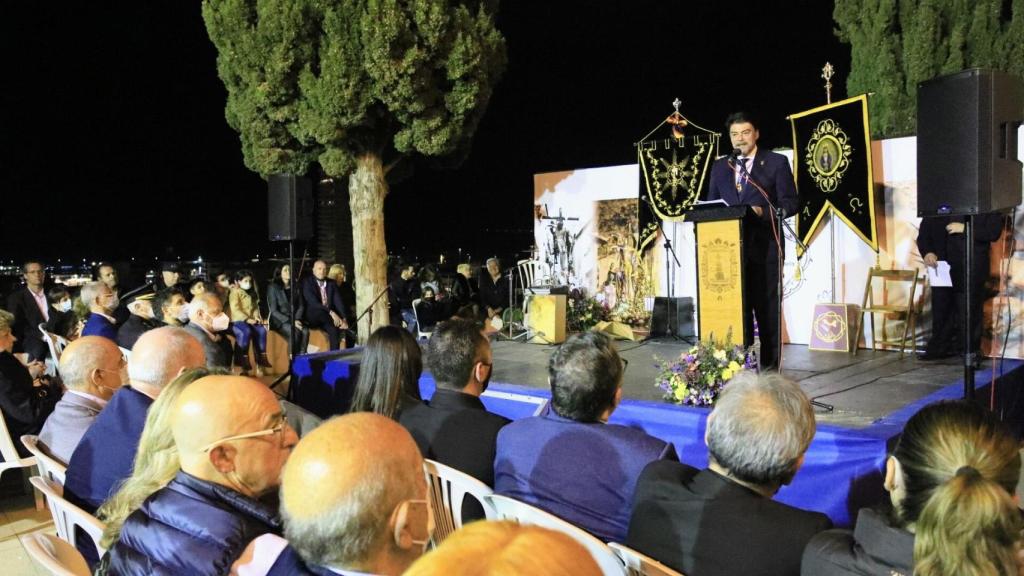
874	393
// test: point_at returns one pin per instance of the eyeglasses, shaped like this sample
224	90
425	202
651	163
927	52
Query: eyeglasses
269	431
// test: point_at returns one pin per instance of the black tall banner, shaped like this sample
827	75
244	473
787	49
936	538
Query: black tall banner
832	167
673	171
648	221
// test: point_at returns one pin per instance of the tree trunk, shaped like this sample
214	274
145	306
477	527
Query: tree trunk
366	191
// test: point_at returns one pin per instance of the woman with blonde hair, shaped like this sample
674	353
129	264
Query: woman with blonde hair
506	549
950	478
156	460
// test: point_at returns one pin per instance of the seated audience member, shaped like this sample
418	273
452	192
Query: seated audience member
455	428
493	289
106	273
339	274
139	321
24	405
722	520
103	458
324	308
429	311
954	466
232	441
196	287
389	373
90	368
63	322
30	309
354	501
170	307
206	320
570	461
506	548
170	275
223	285
156	460
102	302
280	302
463	294
247	322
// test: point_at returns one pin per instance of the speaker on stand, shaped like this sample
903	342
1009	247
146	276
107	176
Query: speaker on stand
289	218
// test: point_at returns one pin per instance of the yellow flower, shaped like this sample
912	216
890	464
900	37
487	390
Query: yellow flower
726	374
680	393
734	366
720	354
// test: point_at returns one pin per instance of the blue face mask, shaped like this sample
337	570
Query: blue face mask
63	305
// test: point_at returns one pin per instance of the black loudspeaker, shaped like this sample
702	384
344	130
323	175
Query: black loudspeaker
683	308
967	143
289	207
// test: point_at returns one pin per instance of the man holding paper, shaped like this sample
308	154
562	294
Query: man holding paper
941	239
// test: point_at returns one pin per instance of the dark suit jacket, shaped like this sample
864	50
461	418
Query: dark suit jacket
23	409
218	352
769	170
581	472
67	424
704	524
933	237
493	294
277	301
27	319
311	298
98	325
456	430
133	328
106	453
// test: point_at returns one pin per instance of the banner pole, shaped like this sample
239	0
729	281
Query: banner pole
832	248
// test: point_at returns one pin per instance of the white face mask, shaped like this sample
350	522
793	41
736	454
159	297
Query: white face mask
245	285
64	306
219	323
183	313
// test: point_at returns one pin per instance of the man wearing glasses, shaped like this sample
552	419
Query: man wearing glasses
760	179
570	461
232	440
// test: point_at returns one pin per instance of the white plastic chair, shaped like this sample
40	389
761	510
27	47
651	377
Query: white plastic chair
638	564
67	516
10	452
448	488
56	556
49	467
511	509
56	344
416	314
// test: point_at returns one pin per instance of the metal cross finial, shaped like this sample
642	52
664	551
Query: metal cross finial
676	104
826	72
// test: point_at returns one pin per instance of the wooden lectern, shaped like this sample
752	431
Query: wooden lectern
720	298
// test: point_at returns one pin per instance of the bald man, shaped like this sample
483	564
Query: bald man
206	322
91	368
233	441
324	307
104	456
353	500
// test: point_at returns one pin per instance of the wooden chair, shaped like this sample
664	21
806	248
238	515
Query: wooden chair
67	517
905	310
49	467
511	509
56	556
448	488
638	564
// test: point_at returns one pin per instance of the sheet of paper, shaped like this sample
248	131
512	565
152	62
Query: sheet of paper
939	277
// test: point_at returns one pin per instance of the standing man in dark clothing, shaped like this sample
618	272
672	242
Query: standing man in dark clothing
764	179
493	289
942	238
30	309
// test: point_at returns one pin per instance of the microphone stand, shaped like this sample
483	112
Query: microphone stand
778	218
369	310
671	307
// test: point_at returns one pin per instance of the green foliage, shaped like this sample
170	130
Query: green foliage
895	44
329	80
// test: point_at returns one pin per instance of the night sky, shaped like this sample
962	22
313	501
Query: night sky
114	142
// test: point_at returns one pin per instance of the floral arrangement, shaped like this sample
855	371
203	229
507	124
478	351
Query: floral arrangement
584	311
697	377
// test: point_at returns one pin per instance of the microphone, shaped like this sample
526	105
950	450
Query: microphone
735	154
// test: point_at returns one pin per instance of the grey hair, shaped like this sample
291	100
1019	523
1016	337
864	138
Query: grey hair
157	365
88	355
348	530
202	302
89	292
760	427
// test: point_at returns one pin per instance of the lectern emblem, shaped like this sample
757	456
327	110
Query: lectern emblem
719	266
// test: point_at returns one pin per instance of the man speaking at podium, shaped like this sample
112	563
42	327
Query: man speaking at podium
762	180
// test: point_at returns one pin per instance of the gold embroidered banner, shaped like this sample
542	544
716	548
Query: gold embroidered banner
673	171
720	280
832	167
